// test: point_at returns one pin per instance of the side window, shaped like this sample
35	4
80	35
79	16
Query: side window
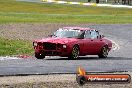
94	34
87	34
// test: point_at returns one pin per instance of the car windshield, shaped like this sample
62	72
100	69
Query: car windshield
67	33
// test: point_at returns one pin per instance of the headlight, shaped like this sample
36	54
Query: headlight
34	44
64	46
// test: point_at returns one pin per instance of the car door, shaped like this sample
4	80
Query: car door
88	43
92	42
96	42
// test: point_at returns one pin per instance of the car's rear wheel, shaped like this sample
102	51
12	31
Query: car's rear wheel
75	53
104	52
39	56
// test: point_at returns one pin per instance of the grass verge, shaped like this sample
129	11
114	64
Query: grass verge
15	47
62	18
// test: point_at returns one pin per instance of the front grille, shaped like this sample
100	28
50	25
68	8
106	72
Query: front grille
52	53
49	46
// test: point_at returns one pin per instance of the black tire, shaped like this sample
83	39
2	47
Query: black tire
81	80
74	53
39	56
104	52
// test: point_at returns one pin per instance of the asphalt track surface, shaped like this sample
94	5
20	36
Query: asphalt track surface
119	59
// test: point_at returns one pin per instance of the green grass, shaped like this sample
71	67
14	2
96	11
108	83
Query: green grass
23	12
15	47
25	7
48	18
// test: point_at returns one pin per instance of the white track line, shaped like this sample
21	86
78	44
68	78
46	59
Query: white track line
115	46
87	4
8	58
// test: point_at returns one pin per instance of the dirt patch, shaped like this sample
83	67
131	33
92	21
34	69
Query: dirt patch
30	31
51	81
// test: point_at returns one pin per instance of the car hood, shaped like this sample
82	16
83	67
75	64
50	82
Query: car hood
57	40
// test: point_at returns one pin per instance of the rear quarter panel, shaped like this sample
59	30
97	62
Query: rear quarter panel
109	43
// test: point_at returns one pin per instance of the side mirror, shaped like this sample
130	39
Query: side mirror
50	35
102	36
81	36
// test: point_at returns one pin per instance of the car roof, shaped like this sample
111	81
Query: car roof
79	28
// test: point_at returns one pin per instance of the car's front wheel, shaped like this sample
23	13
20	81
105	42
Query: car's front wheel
104	52
39	56
75	53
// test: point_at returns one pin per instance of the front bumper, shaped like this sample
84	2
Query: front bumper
53	53
62	52
52	49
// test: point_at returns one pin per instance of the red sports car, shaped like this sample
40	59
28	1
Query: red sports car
73	42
